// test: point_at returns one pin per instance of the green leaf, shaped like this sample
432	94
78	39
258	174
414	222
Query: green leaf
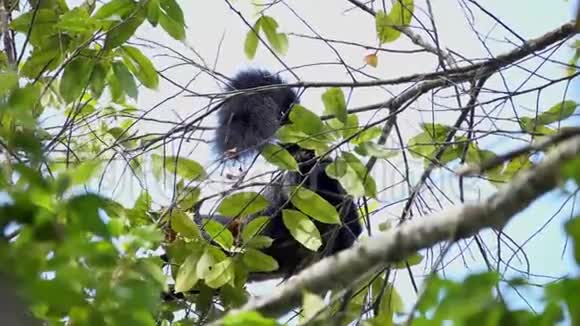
382	319
59	293
314	205
27	142
566	291
558	112
220	274
219	233
335	104
302	229
278	41
573	63
85	213
187	277
4	183
182	224
260	242
233	296
337	169
117	93
475	154
75	78
242	204
362	172
346	130
474	292
153	11
122	136
367	135
515	166
384	27
8	81
98	79
425	144
188	197
391	302
400	15
412	260
254	227
340	170
31	176
209	258
252	41
551	315
183	167
42	27
571	169
351	127
23	103
82	173
118	133
140	66
247	318
573	230
3	61
122	32
42	16
375	150
430	296
115	8
290	134
140	208
280	157
42	60
126	79
174	28
77	21
113	208
257	261
402	12
306	120
173	10
312	305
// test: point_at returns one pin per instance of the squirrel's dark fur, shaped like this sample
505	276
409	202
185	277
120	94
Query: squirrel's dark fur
290	254
247	121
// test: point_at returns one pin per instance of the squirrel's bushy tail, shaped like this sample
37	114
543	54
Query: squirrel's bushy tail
247	121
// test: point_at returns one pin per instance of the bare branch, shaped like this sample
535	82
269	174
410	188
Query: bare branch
474	169
415	38
427	81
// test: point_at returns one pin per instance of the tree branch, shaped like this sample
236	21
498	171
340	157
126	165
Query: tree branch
415	38
13	310
339	271
474	169
425	82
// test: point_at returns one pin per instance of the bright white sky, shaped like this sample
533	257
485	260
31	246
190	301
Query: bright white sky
212	24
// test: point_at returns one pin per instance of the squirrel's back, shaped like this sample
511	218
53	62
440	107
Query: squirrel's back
249	120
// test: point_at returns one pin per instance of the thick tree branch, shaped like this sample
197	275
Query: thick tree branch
339	271
5	32
13	310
